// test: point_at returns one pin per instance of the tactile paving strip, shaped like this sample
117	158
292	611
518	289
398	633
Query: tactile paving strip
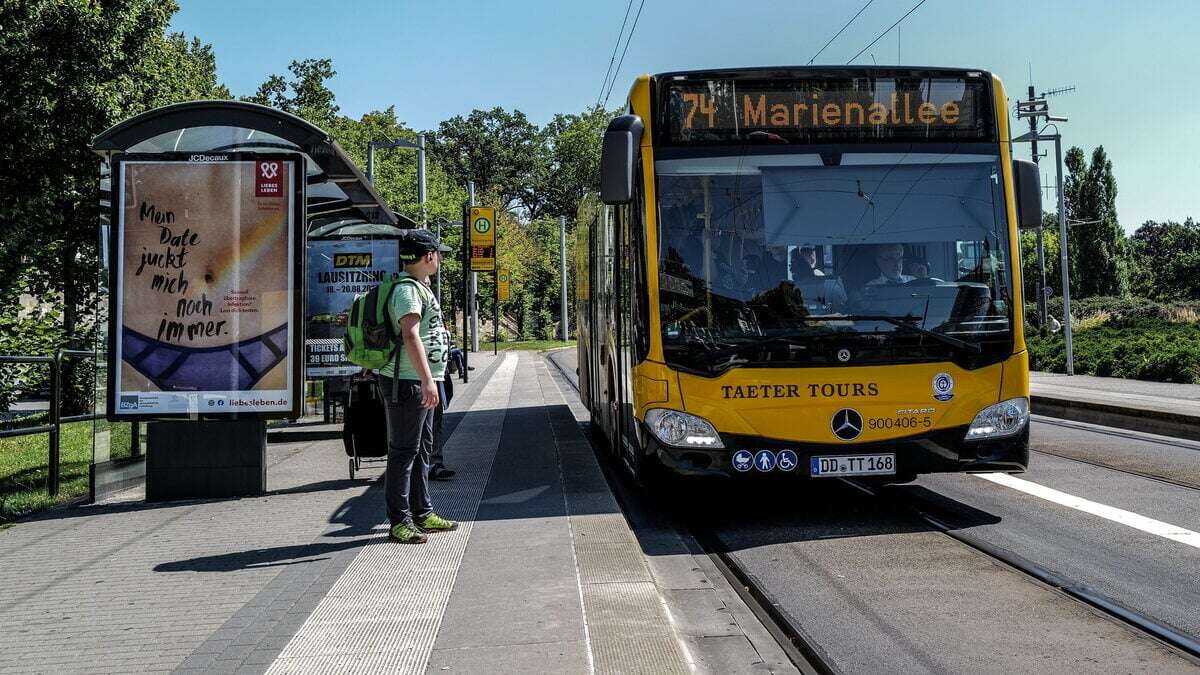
628	627
384	612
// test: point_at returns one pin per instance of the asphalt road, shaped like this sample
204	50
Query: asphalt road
877	589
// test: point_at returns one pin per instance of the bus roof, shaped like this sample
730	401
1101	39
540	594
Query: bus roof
767	72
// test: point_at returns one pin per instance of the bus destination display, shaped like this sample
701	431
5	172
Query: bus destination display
827	110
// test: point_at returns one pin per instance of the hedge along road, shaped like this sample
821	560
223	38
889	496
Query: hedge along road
879	589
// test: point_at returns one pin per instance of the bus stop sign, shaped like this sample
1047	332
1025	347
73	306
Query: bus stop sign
483	239
503	279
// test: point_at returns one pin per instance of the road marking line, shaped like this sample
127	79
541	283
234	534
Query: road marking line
1157	527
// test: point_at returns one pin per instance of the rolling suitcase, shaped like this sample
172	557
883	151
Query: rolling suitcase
364	431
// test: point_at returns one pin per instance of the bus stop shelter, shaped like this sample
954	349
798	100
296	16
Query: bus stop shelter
337	196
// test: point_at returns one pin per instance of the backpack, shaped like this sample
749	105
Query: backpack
371	340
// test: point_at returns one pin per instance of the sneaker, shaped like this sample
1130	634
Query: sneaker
440	472
435	523
407	533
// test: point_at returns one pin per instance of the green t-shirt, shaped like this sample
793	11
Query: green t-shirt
416	298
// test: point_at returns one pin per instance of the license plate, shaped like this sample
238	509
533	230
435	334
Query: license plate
853	465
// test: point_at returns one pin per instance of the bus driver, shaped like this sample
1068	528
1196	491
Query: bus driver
889	258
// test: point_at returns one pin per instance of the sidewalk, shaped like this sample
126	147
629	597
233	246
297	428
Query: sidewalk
1152	407
544	575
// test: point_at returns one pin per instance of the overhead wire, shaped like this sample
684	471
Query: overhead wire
889	29
623	51
612	59
835	36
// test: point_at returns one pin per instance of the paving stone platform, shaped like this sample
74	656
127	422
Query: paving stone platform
545	574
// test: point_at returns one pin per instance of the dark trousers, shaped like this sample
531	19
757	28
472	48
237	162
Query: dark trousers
410	443
445	393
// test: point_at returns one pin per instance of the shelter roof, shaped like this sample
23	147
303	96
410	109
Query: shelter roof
337	189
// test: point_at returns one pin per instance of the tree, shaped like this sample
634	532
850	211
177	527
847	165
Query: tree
572	166
496	149
1165	260
1096	247
396	182
306	96
1029	260
71	69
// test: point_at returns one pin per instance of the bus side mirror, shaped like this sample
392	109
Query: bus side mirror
622	140
1028	183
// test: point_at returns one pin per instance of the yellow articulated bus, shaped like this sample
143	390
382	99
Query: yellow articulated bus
809	272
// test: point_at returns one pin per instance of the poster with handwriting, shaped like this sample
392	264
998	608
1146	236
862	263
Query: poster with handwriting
206	294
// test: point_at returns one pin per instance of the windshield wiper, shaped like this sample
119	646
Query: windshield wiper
903	322
764	341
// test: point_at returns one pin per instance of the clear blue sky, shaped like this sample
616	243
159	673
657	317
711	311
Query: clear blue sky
1133	62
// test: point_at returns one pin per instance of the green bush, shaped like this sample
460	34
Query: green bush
545	325
1141	349
1127	311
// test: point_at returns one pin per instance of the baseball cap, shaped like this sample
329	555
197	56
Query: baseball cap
416	243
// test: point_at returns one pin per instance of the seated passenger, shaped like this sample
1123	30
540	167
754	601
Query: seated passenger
752	280
804	263
775	264
889	258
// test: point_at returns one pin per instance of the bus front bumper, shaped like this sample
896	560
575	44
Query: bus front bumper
939	451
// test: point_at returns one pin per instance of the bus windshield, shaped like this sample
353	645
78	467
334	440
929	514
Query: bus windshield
787	259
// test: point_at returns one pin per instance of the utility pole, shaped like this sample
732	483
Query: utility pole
1041	246
562	266
1034	109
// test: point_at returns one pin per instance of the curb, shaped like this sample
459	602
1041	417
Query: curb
301	436
1133	419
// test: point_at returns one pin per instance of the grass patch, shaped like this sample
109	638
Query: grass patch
24	470
529	345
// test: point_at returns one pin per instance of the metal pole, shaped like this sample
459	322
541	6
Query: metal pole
55	415
1041	280
1062	255
438	281
496	315
371	162
466	262
562	267
473	289
421	174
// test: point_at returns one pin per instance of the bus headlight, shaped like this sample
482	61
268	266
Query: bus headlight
682	430
1005	418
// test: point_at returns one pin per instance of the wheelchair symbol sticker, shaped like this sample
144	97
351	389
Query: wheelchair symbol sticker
787	460
743	461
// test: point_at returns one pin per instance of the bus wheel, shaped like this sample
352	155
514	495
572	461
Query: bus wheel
645	469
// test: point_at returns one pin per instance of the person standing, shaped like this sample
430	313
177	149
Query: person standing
437	460
410	386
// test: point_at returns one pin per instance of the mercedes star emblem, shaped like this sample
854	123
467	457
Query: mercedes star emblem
847	424
843	355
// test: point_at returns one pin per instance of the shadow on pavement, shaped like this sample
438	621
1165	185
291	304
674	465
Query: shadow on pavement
357	517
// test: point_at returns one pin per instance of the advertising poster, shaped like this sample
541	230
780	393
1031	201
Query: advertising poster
337	271
206	296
